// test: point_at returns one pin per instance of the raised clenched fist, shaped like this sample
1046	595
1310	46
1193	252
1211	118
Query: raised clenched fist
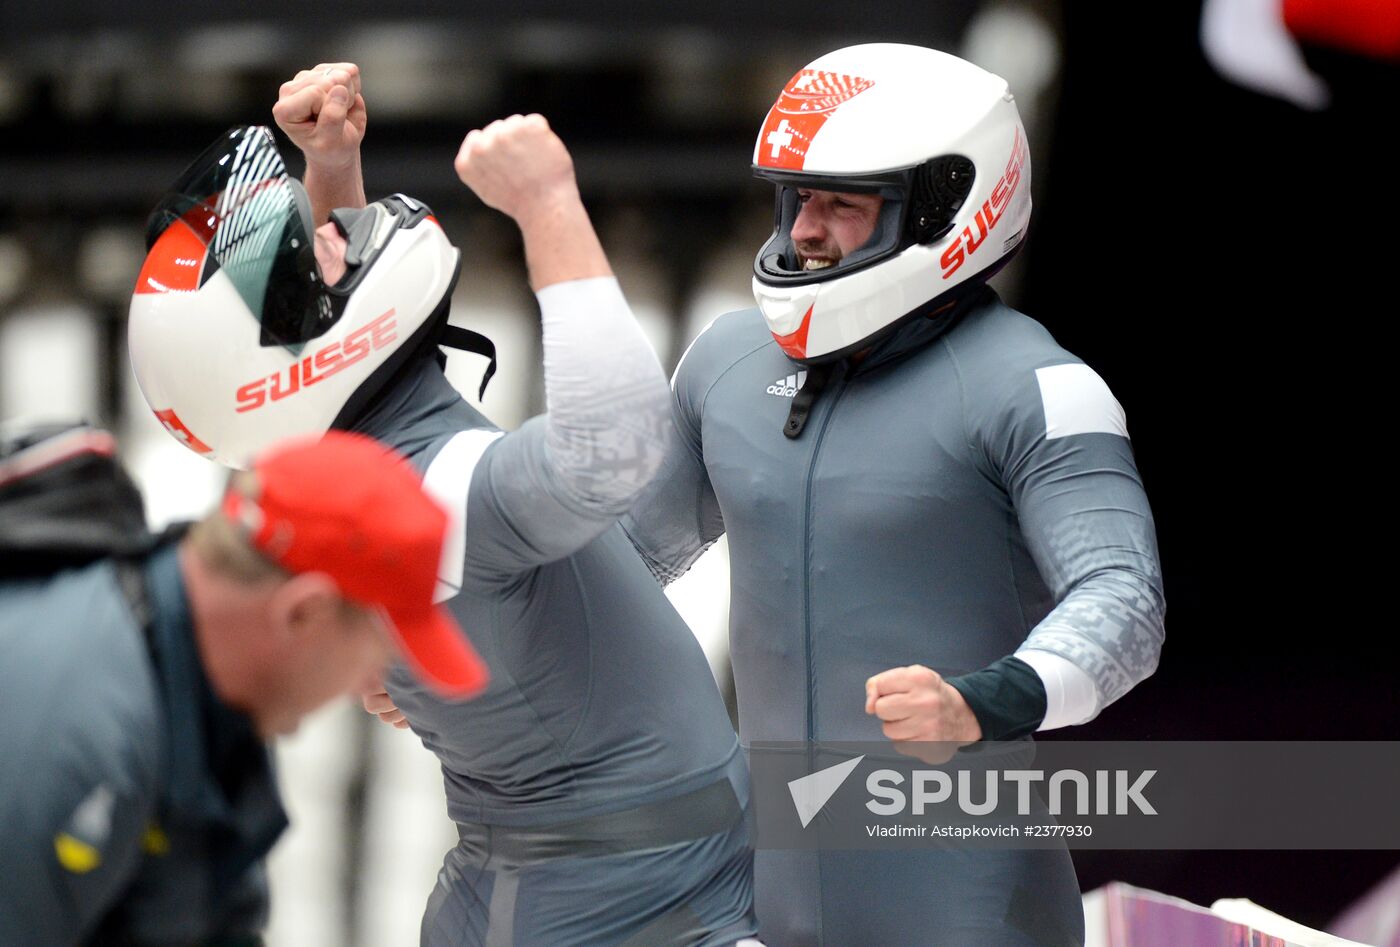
323	113
518	166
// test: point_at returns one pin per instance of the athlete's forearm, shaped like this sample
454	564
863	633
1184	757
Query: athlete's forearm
560	242
1088	526
330	188
560	480
1031	690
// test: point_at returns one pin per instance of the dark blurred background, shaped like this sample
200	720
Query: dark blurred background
1223	258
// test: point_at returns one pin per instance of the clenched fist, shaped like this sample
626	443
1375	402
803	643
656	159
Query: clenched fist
923	714
323	113
518	166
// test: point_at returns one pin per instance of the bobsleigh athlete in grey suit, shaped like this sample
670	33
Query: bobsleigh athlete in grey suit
597	785
937	532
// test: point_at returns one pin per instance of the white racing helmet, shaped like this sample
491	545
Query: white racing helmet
940	139
235	339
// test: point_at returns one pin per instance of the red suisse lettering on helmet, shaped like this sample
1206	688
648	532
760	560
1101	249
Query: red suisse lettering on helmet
327	362
991	211
251	395
293	384
320	365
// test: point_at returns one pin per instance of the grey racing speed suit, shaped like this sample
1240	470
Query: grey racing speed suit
597	784
965	493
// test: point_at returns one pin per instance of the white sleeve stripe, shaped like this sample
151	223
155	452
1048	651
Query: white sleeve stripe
1070	695
448	480
1077	401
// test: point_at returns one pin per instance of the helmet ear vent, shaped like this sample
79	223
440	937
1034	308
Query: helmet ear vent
940	186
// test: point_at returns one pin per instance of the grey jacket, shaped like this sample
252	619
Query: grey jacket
136	806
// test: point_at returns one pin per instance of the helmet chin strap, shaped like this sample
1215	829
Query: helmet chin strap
801	410
468	341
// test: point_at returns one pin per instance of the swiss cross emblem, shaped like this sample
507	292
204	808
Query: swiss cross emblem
794	120
779	138
184	435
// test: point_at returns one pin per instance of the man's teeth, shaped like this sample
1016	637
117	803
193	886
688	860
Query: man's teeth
816	264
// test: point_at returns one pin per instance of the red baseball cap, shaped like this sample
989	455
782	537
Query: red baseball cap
349	507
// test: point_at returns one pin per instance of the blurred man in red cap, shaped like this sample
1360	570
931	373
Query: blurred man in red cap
137	794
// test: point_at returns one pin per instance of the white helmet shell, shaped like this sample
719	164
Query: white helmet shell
890	118
197	357
202	355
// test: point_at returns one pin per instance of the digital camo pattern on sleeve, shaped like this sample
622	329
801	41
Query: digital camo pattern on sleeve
608	411
1111	621
1060	441
550	487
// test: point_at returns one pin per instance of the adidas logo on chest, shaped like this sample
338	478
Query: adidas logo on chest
789	386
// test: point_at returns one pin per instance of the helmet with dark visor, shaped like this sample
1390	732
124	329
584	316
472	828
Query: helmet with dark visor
254	222
919	205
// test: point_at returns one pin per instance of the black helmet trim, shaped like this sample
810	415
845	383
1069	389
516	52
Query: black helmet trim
367	232
435	331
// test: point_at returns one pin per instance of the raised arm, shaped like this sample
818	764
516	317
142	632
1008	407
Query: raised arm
518	166
322	111
547	489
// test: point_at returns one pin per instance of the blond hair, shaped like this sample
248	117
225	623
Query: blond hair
224	547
